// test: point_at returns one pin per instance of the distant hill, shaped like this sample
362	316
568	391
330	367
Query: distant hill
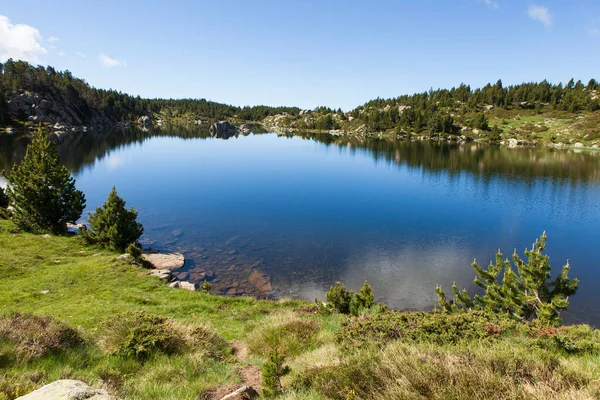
32	95
529	113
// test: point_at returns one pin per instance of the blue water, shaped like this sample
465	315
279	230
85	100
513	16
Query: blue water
306	214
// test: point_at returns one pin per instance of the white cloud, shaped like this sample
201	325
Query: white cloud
79	54
109	62
540	14
62	54
19	41
52	39
491	4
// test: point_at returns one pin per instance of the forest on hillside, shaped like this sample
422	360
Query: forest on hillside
77	93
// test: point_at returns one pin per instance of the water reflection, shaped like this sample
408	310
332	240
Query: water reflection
274	216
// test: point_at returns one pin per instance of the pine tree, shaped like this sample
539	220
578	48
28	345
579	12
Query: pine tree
112	225
273	371
525	292
363	300
42	191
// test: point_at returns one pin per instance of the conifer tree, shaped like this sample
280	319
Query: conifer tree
525	292
363	300
112	225
273	371
42	191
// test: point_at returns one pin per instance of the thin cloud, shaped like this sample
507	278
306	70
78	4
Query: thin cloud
20	41
62	54
540	14
52	39
491	4
109	62
82	55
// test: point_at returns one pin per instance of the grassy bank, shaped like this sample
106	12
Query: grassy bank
204	345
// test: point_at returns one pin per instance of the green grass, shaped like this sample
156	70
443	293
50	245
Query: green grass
380	356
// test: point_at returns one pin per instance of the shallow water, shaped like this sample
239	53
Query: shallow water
273	216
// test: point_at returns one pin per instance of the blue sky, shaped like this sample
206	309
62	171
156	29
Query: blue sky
305	53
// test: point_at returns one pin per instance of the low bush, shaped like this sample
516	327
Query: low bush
441	328
36	336
286	332
140	335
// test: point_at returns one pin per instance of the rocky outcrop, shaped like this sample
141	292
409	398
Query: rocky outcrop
55	111
223	130
168	261
68	390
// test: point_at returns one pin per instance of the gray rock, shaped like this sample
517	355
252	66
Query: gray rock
223	130
163	274
188	286
578	145
123	257
145	121
246	129
168	261
68	390
243	393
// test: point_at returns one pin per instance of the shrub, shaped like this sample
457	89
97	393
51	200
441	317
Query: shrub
42	191
344	301
273	370
140	335
524	293
112	225
338	298
286	332
36	336
134	251
206	286
439	328
363	300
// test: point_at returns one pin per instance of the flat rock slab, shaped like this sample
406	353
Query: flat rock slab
164	274
168	261
68	390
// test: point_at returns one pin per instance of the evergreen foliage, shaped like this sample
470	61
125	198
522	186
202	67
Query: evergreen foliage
42	191
20	75
363	300
338	298
112	225
525	292
273	370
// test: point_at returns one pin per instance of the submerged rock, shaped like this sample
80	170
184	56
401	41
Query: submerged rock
68	390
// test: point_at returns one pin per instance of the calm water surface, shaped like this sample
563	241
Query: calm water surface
275	216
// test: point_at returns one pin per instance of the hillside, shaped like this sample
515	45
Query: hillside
33	95
80	311
526	114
